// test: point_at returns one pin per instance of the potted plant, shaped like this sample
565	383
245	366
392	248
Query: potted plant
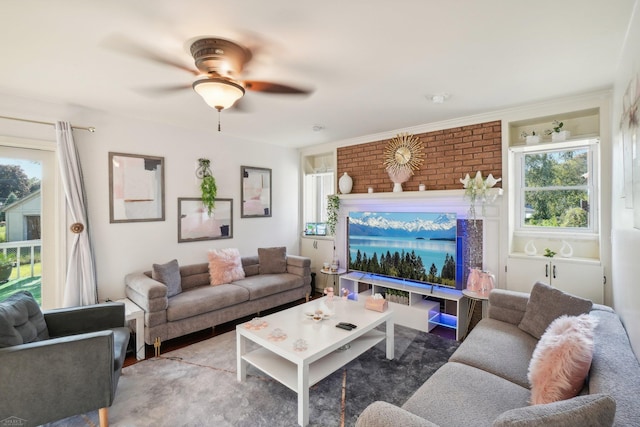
208	187
557	133
6	267
530	138
333	206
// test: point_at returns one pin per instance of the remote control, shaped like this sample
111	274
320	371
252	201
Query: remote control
351	325
343	326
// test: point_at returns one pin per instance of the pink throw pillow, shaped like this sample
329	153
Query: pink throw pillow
561	359
225	266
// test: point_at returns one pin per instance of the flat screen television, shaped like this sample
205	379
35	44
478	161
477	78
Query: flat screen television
416	246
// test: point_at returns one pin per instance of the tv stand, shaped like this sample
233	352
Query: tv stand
423	311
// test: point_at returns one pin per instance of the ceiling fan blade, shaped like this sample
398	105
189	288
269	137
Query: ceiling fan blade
163	90
124	45
270	87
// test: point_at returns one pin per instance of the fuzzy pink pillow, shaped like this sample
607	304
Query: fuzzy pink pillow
225	266
561	359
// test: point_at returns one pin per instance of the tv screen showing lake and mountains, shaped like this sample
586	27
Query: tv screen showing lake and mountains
417	246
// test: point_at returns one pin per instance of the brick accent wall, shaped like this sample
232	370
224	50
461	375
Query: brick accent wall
448	155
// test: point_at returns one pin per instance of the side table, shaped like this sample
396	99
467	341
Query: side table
335	274
474	297
134	313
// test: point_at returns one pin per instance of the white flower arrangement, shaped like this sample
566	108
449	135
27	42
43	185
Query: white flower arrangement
479	189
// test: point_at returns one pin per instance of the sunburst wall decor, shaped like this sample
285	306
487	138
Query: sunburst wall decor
403	153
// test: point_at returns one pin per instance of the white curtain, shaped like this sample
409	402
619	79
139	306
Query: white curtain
80	287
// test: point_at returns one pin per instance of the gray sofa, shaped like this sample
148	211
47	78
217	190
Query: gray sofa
200	306
485	382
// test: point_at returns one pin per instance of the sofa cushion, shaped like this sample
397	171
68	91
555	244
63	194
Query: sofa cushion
251	265
562	359
268	284
169	275
547	304
499	348
273	260
615	369
204	299
461	395
225	266
21	320
593	410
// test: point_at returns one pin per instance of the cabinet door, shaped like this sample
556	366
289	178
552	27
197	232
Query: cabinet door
581	279
307	248
318	250
523	273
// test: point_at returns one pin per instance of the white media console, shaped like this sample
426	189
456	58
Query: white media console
424	309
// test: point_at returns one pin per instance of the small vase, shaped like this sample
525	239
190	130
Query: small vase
345	183
532	139
566	250
560	136
530	248
397	187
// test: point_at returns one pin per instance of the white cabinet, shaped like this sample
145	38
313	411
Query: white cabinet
584	278
319	250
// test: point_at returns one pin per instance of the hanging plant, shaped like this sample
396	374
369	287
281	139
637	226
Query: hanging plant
333	206
208	186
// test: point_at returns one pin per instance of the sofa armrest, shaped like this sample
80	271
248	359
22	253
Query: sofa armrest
91	318
300	266
52	379
592	410
147	293
298	261
383	414
507	306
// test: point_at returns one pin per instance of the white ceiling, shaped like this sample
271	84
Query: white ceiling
373	64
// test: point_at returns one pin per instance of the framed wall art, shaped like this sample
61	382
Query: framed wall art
136	188
195	224
255	192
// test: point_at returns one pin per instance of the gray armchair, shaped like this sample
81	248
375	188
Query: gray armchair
68	364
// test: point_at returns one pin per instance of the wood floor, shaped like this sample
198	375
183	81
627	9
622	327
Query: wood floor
195	337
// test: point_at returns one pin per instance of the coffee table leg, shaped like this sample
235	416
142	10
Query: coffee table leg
240	351
303	394
390	339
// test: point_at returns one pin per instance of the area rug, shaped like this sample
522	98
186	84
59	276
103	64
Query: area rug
197	386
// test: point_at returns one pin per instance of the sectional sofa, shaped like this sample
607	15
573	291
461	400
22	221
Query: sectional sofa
199	305
485	382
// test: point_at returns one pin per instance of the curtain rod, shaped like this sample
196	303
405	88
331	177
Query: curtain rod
90	128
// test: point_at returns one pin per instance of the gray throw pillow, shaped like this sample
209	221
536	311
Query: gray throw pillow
169	274
546	304
272	260
21	320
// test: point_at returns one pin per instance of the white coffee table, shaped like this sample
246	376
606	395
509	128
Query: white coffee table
299	370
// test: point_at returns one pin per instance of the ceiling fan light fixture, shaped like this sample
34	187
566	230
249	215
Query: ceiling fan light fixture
218	93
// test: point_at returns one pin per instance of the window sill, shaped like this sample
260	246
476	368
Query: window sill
564	234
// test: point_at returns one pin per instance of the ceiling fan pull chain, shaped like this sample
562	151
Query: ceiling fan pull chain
219	109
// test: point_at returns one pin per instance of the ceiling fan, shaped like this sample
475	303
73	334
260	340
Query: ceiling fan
222	61
219	64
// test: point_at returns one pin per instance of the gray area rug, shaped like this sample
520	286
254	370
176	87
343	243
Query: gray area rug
197	386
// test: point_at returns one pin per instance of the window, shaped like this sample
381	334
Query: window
317	186
556	187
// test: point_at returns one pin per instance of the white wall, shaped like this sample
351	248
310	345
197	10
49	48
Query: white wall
126	247
625	238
